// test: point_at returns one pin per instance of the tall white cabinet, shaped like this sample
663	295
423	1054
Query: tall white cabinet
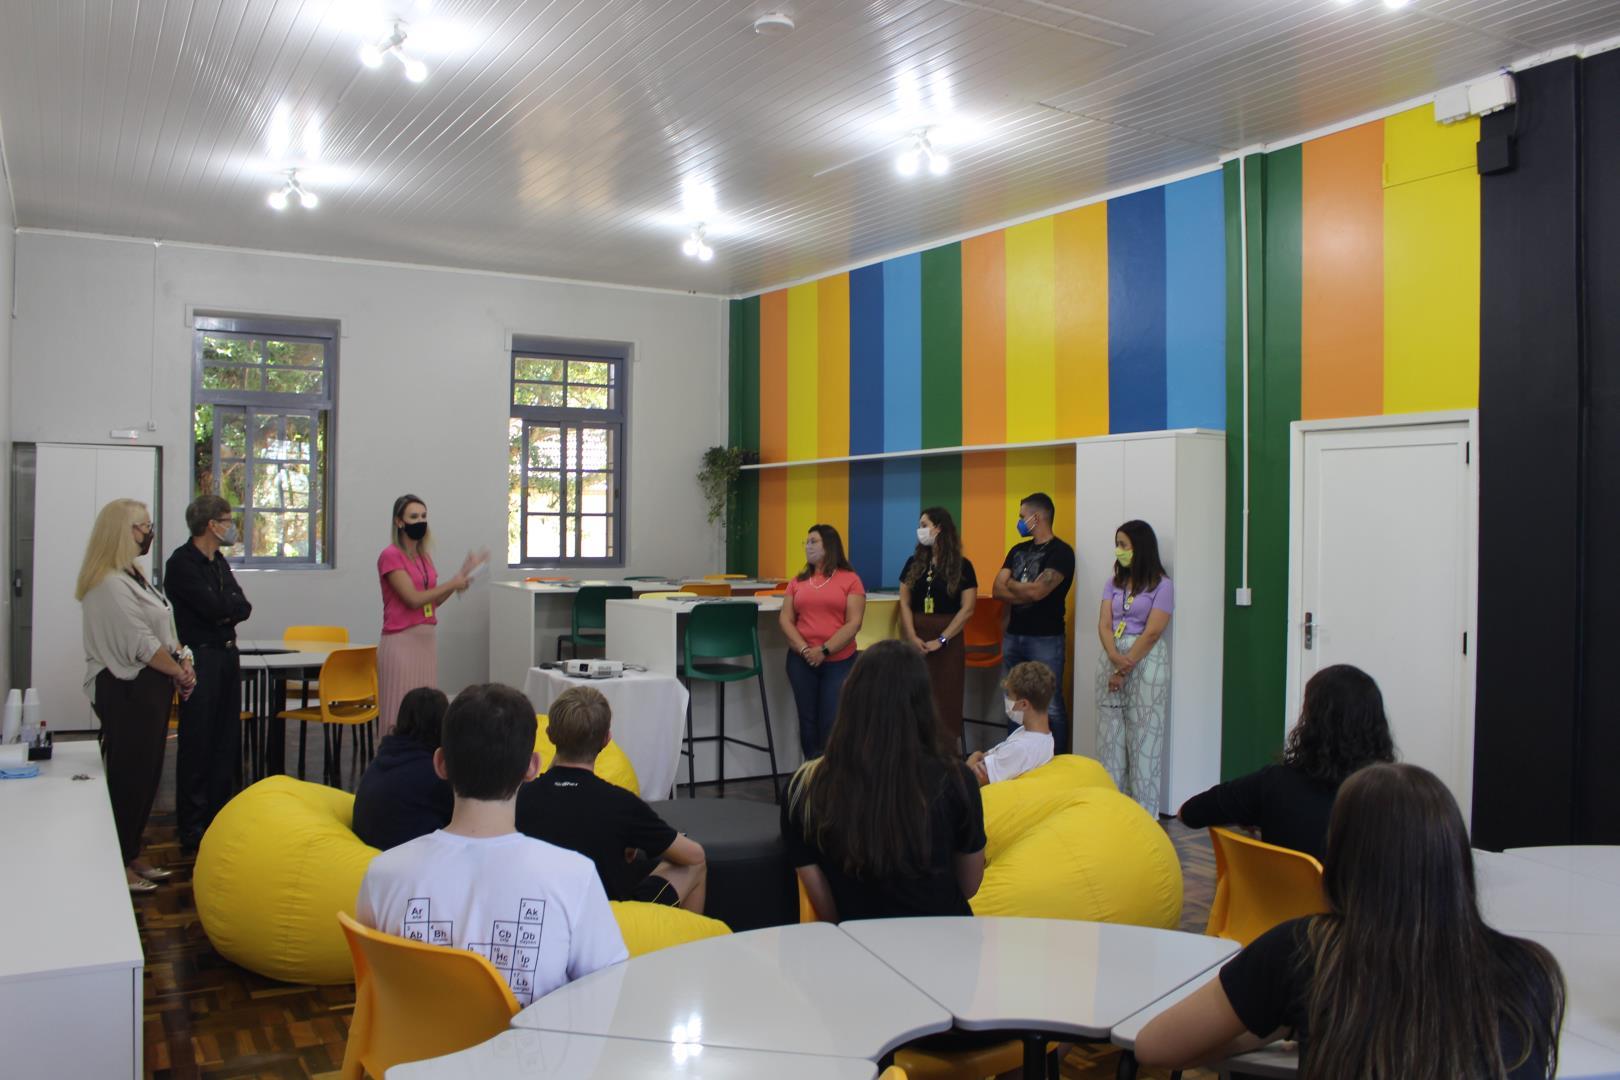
1176	482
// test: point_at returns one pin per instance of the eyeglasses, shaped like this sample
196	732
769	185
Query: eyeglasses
144	526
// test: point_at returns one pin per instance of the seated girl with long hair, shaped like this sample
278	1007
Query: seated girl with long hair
887	822
1400	979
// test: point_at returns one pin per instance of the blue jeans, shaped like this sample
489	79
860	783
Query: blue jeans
1048	650
815	692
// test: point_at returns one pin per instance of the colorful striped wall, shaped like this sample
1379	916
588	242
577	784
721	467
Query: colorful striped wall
1107	318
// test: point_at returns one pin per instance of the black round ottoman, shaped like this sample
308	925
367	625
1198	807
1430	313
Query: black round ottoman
750	883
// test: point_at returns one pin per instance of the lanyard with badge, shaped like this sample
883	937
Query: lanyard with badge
427	609
1119	627
928	592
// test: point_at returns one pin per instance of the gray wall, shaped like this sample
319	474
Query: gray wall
7	251
102	341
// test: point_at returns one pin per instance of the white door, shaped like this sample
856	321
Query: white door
1386	542
71	485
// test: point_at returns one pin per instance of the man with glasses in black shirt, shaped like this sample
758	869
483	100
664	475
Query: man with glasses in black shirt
208	604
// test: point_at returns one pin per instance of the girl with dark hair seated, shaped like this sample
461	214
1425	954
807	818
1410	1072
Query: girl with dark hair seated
887	822
1342	728
1401	977
400	797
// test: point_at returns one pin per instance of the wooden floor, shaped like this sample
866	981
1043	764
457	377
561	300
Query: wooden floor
206	1017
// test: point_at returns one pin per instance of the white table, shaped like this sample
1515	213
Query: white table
649	719
1039	976
1594	861
1517	896
527	617
263	661
543	1055
807	989
71	964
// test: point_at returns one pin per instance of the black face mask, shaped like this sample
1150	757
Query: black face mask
146	543
415	530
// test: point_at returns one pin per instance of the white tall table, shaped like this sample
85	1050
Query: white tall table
1042	977
806	989
649	718
527	617
1518	896
555	1055
1589	861
71	965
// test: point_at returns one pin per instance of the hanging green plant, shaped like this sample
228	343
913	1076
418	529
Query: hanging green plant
722	465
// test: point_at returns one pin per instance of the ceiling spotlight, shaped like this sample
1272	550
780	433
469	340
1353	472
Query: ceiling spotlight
282	196
372	54
773	25
696	247
912	157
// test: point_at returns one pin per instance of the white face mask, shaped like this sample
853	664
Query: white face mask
925	536
1013	712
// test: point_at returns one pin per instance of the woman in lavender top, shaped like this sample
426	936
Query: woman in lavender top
1133	675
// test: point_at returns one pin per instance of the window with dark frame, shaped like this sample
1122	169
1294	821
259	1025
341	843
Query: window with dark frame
262	426
566	453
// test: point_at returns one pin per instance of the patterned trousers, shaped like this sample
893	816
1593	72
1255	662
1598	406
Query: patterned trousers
1131	723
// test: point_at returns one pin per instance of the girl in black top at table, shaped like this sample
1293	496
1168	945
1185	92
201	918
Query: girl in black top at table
938	591
887	822
1342	728
1400	979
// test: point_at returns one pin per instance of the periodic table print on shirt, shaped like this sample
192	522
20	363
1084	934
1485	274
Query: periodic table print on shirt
514	947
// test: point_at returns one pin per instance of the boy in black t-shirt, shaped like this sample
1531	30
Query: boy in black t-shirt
1034	583
637	854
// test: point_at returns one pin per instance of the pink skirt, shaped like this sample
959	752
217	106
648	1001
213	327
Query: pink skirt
405	660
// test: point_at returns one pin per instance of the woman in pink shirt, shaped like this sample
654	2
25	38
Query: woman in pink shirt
821	614
408	654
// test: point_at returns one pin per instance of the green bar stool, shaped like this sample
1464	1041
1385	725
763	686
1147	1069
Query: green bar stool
590	616
718	633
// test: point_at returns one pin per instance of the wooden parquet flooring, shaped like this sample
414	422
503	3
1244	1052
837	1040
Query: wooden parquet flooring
207	1018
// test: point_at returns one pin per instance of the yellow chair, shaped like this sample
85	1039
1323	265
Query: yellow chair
880	623
612	764
414	1001
1259	885
347	698
725	577
893	1072
337	635
664	595
707	588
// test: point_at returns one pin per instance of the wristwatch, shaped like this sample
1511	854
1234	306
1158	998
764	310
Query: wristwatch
825	652
943	640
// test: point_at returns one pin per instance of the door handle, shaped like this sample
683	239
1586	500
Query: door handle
17	584
1311	629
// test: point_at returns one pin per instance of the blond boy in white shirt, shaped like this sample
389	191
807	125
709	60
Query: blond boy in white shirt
1026	692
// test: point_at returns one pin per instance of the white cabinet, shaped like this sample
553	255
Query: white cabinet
1176	482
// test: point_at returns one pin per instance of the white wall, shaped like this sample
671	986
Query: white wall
102	341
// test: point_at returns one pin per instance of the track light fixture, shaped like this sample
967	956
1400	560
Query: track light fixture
696	246
280	198
920	150
372	55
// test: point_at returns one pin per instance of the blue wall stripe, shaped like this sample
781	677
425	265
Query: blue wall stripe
902	494
902	353
864	543
865	365
1195	302
1136	373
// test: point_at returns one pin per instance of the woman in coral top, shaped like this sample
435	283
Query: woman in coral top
408	654
821	614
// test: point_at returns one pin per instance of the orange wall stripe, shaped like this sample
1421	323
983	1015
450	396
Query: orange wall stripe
773	363
984	339
772	521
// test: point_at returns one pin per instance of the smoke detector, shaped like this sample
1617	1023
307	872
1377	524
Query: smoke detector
773	25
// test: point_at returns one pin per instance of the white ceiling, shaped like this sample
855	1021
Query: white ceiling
553	137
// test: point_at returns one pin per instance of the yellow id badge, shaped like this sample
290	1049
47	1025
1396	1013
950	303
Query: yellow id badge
928	605
427	613
1119	630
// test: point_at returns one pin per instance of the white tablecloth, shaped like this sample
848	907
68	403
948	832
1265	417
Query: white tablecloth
649	719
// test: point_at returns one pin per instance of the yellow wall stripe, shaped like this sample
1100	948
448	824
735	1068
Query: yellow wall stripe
1080	258
1031	355
803	370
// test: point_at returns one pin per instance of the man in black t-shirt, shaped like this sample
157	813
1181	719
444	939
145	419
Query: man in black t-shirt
1034	582
637	854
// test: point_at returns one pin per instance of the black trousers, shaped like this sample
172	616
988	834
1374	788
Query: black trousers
134	716
210	748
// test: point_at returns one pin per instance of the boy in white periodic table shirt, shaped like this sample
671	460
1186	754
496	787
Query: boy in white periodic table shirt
535	911
1027	691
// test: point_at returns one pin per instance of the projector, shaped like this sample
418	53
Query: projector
594	669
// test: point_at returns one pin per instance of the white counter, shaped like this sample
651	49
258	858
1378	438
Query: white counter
527	617
71	965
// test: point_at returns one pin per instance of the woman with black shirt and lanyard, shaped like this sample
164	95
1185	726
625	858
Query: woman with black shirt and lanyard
938	591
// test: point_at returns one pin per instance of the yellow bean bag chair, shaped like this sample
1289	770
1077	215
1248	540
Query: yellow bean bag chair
1063	843
612	764
281	860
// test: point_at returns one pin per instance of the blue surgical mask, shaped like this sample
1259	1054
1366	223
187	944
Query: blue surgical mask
1024	529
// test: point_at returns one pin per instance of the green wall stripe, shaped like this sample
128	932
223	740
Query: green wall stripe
1255	660
742	527
942	350
942	483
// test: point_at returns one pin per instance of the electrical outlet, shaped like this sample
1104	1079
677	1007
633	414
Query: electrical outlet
1245	597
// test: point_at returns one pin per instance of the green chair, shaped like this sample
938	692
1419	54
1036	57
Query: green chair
590	616
718	633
